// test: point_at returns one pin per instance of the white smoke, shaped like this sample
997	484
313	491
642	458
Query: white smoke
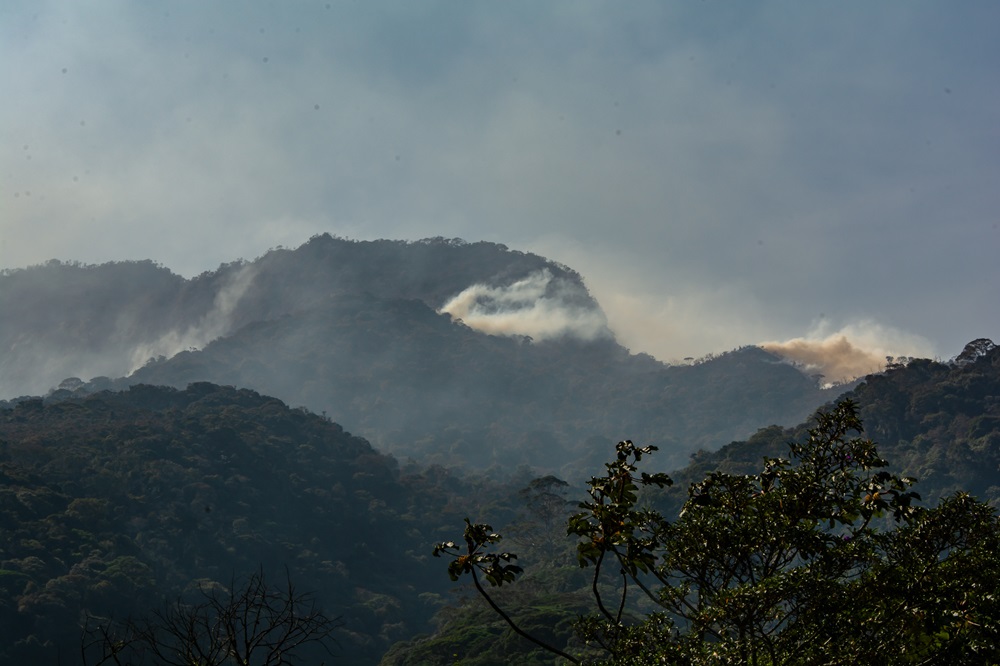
853	351
213	324
539	305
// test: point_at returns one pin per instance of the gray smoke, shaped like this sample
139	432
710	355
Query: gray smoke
214	324
540	306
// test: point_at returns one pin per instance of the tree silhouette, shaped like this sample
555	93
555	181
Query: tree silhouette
248	624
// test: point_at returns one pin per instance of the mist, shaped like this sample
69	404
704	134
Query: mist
539	306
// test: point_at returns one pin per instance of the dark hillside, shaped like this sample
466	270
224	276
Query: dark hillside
938	422
431	271
117	501
64	320
419	385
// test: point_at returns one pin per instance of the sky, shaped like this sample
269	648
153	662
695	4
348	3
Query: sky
808	175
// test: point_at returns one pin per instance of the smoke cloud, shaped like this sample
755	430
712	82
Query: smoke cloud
853	351
539	305
214	324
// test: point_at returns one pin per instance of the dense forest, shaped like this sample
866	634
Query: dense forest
116	502
937	423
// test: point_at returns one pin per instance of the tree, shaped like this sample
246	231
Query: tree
496	568
975	349
822	558
545	510
253	624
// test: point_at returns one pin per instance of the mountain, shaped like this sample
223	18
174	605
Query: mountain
67	319
440	350
117	502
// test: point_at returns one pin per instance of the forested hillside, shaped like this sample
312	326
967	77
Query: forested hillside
354	330
937	422
157	464
419	385
71	320
116	502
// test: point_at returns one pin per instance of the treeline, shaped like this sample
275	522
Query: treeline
418	385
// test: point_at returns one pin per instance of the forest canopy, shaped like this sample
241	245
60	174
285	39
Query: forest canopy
822	557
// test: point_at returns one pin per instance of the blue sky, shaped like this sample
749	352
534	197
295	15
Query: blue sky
720	173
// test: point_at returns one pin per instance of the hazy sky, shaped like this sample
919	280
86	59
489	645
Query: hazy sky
721	173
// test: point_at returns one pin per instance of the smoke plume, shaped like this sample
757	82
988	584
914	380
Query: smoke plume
853	351
539	305
214	324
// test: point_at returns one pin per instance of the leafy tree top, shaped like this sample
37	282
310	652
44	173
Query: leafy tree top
824	557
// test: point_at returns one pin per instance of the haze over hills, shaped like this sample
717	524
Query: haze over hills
62	320
439	350
117	494
113	501
768	201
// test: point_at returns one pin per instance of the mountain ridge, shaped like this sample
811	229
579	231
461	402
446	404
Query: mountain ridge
356	330
118	311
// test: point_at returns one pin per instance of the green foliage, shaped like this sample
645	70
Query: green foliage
113	502
821	558
611	521
478	538
477	636
475	559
